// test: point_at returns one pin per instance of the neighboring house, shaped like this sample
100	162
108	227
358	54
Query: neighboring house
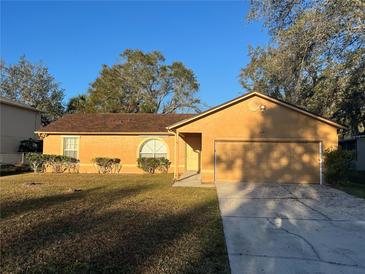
252	138
357	145
18	122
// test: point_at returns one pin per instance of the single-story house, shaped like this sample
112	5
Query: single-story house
252	138
18	123
356	144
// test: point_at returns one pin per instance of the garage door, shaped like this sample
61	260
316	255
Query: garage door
286	162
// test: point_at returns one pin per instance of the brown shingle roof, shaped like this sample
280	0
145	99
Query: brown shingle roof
114	122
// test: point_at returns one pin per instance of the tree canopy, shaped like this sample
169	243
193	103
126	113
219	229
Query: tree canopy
77	104
142	82
316	58
34	85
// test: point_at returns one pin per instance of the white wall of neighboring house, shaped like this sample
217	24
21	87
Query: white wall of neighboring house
18	122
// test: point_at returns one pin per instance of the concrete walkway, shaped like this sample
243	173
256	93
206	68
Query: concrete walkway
281	228
191	179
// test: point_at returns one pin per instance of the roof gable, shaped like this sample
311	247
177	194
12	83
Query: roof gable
245	97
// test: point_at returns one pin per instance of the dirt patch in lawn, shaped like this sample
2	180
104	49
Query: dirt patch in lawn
116	223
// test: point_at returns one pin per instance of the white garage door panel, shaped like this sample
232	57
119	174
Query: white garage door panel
286	162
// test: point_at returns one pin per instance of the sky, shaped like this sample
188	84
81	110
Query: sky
74	39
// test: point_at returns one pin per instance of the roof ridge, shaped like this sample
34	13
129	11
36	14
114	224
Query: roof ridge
114	122
127	113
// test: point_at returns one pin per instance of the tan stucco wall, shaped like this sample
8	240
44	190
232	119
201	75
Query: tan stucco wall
124	147
242	122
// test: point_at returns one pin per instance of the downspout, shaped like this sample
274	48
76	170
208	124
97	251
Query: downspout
320	164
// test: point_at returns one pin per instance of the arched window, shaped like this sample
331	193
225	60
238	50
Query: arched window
153	149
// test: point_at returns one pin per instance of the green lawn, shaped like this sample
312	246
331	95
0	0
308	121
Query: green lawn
354	189
109	223
356	184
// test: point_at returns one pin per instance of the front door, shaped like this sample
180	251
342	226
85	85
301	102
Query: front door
192	158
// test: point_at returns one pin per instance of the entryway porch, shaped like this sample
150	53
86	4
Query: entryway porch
187	157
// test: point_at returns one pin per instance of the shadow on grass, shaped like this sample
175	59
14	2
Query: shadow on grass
14	172
115	234
12	208
357	177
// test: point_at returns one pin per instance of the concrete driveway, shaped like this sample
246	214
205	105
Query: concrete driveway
282	228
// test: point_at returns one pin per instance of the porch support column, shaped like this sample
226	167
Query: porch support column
176	166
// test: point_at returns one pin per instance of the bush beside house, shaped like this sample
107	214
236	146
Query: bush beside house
151	165
338	165
57	163
107	165
60	164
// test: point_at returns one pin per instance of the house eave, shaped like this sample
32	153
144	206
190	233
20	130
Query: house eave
100	133
9	102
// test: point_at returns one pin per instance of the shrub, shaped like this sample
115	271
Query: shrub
338	165
164	165
36	160
107	165
58	163
61	163
150	165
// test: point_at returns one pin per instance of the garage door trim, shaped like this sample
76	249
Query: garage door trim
279	140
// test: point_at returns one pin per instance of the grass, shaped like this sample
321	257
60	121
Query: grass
354	189
82	223
355	185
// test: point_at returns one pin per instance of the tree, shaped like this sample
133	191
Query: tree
34	85
31	145
77	104
316	58
142	82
